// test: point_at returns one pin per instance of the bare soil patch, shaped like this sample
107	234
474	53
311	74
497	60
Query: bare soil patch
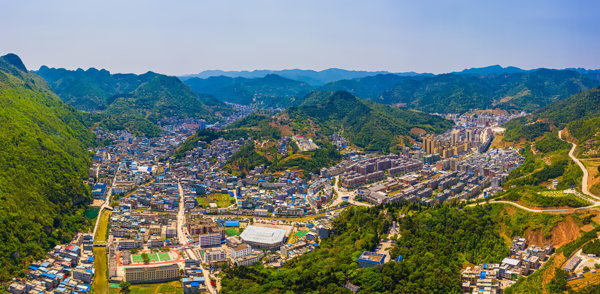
418	131
564	232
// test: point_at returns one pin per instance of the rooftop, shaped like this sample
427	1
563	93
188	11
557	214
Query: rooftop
258	234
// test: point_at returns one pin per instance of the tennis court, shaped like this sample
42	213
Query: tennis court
232	232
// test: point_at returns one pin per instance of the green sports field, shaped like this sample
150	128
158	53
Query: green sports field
232	232
154	257
164	256
300	234
137	258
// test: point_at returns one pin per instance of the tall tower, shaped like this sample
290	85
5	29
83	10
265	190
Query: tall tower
455	137
469	135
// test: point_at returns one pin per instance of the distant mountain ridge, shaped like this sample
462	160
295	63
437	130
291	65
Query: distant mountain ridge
493	70
314	78
269	91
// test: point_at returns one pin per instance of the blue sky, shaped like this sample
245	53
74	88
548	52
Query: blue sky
184	37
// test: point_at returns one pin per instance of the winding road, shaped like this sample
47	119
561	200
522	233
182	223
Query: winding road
594	199
584	184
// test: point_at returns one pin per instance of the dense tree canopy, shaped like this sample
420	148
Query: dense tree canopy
434	242
43	162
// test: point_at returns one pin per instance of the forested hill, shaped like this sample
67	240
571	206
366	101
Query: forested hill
269	91
580	113
456	93
129	101
162	96
435	244
90	89
366	124
368	87
43	162
583	105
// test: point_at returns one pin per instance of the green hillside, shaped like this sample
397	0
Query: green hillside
583	105
129	101
162	96
578	113
364	123
43	162
269	91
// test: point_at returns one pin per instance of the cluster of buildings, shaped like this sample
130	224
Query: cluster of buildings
361	170
339	142
305	144
186	126
480	119
457	141
68	269
495	164
137	229
205	155
523	261
455	180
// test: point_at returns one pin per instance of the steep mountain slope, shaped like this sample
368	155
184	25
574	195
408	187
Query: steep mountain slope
366	124
269	91
450	93
43	161
162	96
89	89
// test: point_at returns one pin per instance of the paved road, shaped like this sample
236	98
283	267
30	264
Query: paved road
565	211
181	218
341	194
183	239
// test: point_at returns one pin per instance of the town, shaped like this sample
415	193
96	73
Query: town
165	219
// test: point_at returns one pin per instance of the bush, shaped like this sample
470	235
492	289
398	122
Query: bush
592	247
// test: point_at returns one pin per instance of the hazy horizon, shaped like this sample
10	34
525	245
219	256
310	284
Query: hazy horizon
189	37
